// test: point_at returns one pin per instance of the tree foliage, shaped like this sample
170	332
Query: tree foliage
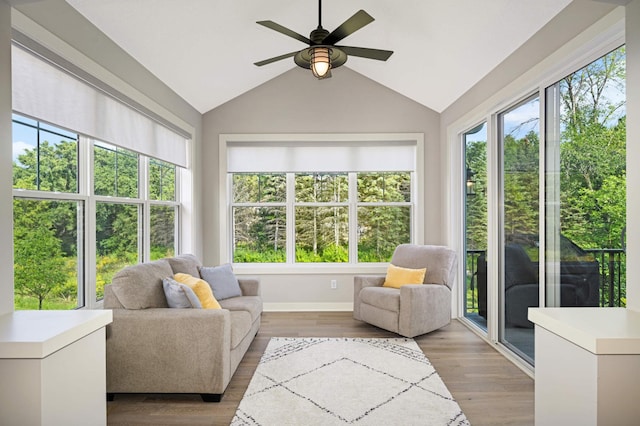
39	262
46	233
321	214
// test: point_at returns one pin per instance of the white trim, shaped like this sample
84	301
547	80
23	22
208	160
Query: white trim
309	268
309	307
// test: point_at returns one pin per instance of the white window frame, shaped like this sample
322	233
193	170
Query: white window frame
87	229
226	231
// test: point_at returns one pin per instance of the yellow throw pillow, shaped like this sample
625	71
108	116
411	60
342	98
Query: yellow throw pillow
397	276
200	288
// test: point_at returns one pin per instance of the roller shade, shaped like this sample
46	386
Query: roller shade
333	156
46	92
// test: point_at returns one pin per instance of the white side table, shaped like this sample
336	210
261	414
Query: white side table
587	368
52	367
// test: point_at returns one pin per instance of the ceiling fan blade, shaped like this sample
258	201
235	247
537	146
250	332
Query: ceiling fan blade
275	59
348	27
283	30
363	52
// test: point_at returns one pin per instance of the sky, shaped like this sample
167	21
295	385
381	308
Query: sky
26	137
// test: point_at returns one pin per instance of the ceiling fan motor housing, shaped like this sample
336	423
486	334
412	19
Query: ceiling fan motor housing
317	36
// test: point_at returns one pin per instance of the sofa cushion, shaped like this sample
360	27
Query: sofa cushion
251	304
382	297
140	286
179	295
185	264
200	288
222	280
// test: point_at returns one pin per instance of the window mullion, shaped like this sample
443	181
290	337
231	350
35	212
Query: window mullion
145	218
353	218
90	223
291	218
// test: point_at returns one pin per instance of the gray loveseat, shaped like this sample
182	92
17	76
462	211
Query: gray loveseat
152	348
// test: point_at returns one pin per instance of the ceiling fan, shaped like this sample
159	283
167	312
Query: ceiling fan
323	54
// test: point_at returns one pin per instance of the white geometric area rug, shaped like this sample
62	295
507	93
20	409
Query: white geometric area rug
343	381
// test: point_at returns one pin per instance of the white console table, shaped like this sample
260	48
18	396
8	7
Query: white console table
587	368
52	367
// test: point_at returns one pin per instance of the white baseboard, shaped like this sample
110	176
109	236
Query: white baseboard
309	307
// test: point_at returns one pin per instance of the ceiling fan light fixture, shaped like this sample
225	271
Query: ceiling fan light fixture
320	61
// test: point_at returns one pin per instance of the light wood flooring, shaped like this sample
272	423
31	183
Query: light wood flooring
489	388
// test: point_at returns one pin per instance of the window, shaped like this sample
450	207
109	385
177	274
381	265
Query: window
163	230
259	218
45	157
115	171
117	240
586	186
162	180
384	214
519	134
322	217
322	208
51	214
47	253
321	201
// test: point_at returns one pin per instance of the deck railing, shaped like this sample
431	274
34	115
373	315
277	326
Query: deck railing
612	277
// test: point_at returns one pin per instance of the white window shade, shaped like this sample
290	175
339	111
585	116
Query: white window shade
47	93
319	156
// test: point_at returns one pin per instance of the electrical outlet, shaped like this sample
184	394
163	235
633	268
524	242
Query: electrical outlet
334	284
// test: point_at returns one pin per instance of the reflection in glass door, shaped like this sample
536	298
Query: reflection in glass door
475	224
519	142
585	181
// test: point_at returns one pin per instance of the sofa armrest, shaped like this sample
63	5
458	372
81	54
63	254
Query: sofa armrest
360	282
249	286
186	348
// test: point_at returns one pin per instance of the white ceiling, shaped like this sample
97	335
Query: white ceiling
205	49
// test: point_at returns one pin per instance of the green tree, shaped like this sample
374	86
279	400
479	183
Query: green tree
39	265
593	153
50	167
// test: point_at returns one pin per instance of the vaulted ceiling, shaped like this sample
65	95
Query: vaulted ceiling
205	49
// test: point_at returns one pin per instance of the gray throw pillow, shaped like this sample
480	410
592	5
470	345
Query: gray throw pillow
222	281
179	295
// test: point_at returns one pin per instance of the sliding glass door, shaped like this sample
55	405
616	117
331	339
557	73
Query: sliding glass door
557	237
519	140
585	185
475	224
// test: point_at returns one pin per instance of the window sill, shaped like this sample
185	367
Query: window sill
316	269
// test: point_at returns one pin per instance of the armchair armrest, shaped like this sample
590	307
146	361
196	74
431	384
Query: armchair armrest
249	286
187	348
423	307
360	282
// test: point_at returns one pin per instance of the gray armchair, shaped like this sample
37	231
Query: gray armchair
412	309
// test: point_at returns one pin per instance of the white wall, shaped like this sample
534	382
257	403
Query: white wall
295	102
6	216
633	154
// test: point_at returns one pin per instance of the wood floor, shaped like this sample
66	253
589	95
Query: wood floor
490	389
